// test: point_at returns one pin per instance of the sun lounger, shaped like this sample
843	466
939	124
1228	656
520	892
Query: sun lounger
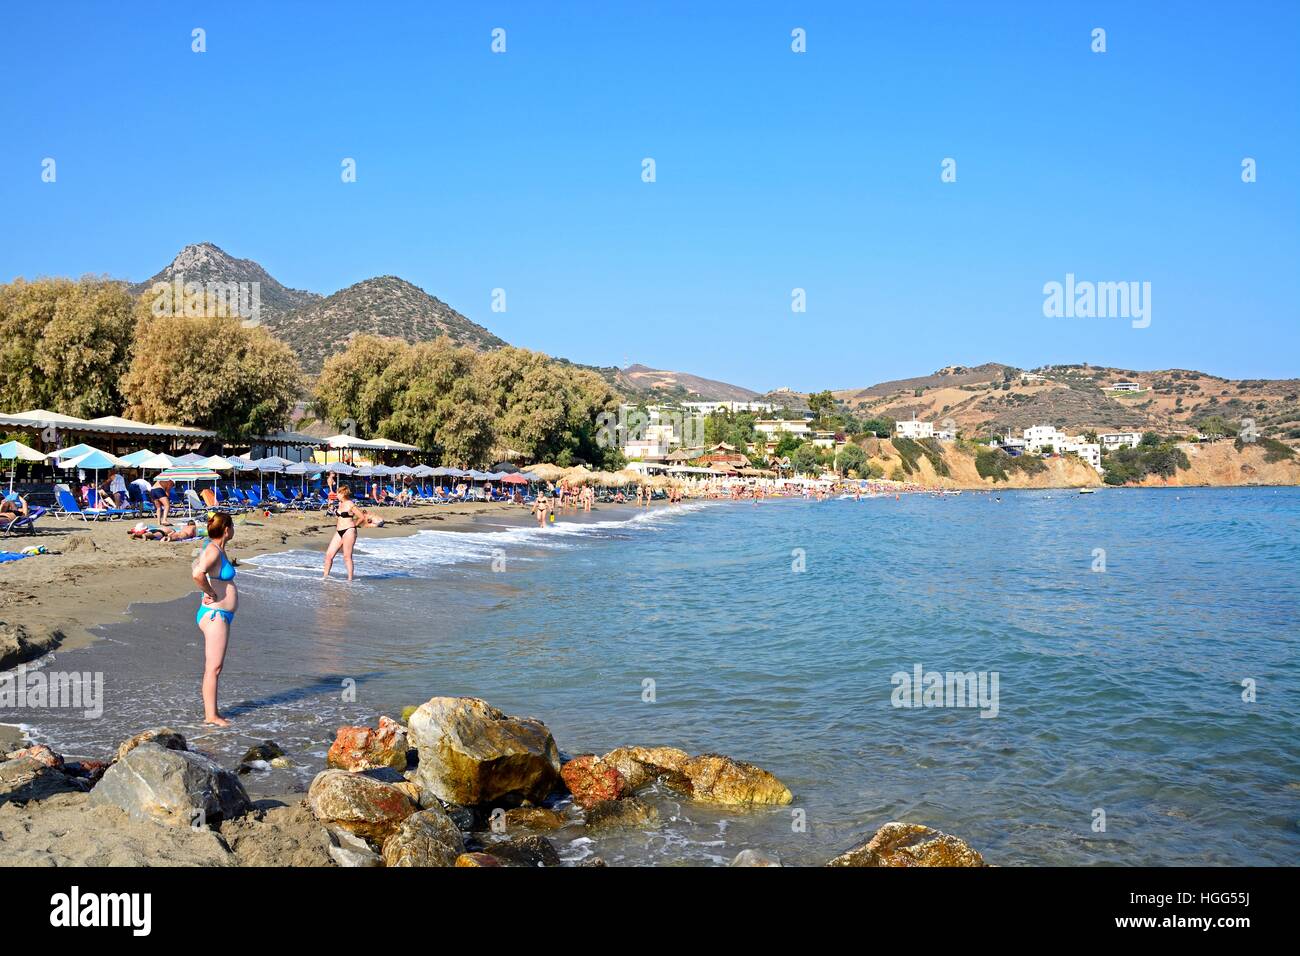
68	507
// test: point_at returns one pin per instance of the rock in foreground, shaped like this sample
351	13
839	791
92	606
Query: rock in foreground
175	787
357	803
427	838
591	780
910	844
720	779
365	748
471	753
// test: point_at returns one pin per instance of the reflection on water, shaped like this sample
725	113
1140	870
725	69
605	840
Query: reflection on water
1119	691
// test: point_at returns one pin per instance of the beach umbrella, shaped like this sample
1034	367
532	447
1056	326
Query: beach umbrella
93	460
16	451
136	458
216	463
190	473
191	459
241	464
514	479
339	468
545	472
445	472
75	451
627	476
303	468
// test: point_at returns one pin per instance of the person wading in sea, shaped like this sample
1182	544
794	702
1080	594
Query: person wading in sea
214	573
350	518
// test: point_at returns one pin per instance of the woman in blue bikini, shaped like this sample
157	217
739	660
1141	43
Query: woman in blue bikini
214	573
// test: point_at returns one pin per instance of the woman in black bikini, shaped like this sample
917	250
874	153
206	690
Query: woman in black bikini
350	518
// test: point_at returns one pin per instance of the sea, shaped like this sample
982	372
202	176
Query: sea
1057	678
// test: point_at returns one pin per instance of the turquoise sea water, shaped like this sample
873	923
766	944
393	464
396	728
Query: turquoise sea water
1119	691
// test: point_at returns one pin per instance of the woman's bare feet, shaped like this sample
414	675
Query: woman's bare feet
216	721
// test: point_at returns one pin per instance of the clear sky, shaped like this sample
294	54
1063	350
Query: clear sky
775	171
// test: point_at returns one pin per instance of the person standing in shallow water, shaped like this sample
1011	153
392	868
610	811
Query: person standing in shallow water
214	573
350	518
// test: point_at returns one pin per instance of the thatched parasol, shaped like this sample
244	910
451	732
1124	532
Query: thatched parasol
628	476
545	471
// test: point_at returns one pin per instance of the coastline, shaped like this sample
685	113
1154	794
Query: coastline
96	574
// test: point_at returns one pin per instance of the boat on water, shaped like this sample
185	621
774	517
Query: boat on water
1087	491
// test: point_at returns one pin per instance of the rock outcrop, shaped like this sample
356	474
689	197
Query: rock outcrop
366	748
427	838
176	787
591	780
471	753
910	844
357	803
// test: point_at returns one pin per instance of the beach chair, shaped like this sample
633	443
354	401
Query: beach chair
68	507
23	525
97	503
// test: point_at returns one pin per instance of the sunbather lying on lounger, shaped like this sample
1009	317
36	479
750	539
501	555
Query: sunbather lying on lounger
152	532
12	508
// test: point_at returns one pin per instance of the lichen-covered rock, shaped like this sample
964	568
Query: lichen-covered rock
162	736
176	787
38	752
590	780
427	838
753	858
357	803
642	766
349	850
472	753
524	851
632	812
366	748
910	844
719	779
267	751
25	778
532	818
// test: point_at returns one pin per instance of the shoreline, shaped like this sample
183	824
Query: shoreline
81	586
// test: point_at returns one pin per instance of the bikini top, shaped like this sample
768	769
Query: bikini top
227	572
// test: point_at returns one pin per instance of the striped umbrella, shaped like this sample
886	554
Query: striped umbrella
190	473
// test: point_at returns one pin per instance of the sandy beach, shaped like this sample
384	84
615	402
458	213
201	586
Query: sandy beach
95	570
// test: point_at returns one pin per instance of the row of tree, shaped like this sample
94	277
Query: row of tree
469	406
89	348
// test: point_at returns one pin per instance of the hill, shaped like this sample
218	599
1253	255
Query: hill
204	262
993	398
385	305
659	385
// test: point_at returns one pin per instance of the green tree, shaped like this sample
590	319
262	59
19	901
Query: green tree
63	345
851	458
210	373
806	459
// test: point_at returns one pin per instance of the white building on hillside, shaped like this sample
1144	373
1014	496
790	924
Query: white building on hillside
1115	440
1039	438
1124	387
779	426
708	408
914	429
1044	436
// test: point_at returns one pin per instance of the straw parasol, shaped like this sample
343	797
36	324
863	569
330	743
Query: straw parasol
577	475
628	476
545	471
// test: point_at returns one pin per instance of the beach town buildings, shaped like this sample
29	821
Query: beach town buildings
1042	438
1113	441
914	429
782	426
708	408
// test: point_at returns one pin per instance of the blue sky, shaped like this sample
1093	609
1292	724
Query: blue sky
775	170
